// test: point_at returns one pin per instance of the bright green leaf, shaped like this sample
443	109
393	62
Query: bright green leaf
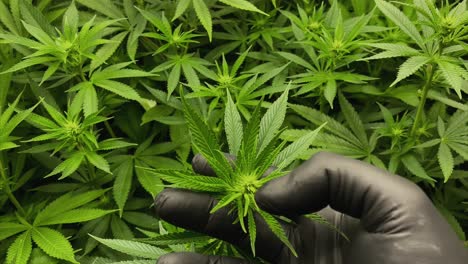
203	14
410	66
9	229
119	88
98	161
182	5
133	248
415	167
272	121
233	126
20	251
401	20
53	243
75	216
243	4
445	159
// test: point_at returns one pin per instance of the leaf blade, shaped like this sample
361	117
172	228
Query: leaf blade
272	121
294	150
446	162
233	126
410	66
20	251
133	248
76	216
53	243
119	88
204	15
243	5
122	184
401	20
415	167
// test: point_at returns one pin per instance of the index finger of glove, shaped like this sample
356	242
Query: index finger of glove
191	210
200	164
349	186
194	258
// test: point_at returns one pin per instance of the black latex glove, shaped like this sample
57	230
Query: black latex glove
388	219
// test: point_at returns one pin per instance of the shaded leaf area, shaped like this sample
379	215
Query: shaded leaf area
103	104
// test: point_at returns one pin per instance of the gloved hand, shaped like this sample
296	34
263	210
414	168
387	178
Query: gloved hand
388	219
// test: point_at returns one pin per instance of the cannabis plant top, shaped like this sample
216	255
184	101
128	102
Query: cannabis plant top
256	147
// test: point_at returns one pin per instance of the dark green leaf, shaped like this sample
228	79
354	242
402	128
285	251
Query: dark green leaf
122	184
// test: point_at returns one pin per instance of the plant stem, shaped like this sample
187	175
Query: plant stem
422	103
10	195
109	129
82	76
91	172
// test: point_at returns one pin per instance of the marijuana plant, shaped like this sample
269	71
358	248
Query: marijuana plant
257	150
442	39
89	97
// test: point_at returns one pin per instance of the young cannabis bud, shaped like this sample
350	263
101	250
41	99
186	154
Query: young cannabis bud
73	129
256	148
249	184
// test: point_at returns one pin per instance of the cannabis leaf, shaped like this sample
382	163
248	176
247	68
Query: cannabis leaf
272	121
66	209
233	124
175	238
176	38
53	243
8	122
86	97
186	64
203	12
452	140
63	209
401	20
410	66
415	167
20	250
133	248
126	167
351	141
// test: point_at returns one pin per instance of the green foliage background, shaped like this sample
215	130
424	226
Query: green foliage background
89	94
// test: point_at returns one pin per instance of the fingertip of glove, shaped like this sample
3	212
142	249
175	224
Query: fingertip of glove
172	258
198	160
182	258
264	198
166	259
159	201
199	163
169	201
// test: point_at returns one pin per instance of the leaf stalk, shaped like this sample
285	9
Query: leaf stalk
8	191
422	103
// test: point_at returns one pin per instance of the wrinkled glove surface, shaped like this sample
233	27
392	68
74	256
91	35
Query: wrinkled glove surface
388	219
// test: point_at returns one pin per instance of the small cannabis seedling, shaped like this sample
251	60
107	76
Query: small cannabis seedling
257	148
